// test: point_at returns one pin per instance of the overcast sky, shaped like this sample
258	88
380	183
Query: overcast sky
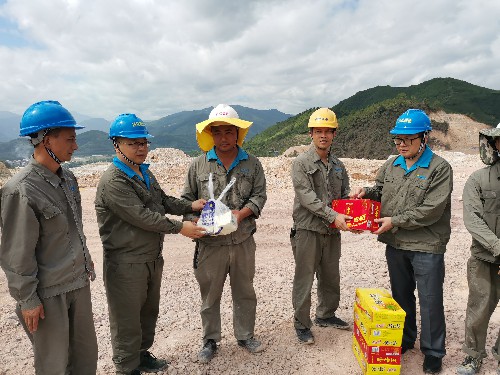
154	58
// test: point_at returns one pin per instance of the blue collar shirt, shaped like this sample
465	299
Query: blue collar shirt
242	155
423	161
130	172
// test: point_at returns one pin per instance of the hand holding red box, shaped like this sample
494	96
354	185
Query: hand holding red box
362	211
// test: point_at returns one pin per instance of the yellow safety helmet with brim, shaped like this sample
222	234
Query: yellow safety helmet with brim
323	118
223	114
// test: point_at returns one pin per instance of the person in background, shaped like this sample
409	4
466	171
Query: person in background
233	254
414	189
481	205
131	207
43	249
318	178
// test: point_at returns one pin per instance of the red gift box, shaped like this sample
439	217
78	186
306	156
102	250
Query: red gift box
362	211
377	354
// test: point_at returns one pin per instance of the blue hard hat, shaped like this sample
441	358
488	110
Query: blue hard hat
413	121
128	125
48	114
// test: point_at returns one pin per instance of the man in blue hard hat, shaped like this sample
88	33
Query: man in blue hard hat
415	193
43	249
131	208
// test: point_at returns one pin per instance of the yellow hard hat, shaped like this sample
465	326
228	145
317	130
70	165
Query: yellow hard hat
223	114
323	118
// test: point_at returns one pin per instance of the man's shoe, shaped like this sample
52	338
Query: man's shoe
135	372
331	322
305	336
252	345
207	352
470	366
149	363
432	365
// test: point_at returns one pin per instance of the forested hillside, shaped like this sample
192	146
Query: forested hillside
366	117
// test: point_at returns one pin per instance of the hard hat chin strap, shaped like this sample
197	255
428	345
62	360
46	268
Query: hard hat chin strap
53	156
35	140
122	154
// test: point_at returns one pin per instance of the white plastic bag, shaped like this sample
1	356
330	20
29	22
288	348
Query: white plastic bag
216	218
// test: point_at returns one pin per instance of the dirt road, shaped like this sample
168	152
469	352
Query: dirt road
179	326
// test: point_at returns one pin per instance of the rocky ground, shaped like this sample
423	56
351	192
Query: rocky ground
179	325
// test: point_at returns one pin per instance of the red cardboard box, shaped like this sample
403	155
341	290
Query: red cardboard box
377	354
363	212
370	368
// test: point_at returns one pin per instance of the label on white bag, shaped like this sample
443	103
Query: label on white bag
216	218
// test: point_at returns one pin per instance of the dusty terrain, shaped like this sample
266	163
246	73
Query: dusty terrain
179	326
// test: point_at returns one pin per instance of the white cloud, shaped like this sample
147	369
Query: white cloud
153	58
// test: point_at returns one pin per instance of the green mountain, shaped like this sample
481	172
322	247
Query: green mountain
95	140
449	94
366	117
178	130
9	126
364	122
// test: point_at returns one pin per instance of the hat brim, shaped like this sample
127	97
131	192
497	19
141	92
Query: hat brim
492	132
204	135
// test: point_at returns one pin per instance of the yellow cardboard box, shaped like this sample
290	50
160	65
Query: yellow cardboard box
379	307
374	335
367	368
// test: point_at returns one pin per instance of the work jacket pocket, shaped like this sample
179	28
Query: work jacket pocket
417	193
335	183
203	186
491	201
53	220
244	185
314	176
492	210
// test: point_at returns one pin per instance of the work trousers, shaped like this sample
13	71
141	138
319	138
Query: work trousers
484	294
65	341
133	293
319	254
212	265
425	271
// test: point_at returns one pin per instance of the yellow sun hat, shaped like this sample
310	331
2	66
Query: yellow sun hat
223	114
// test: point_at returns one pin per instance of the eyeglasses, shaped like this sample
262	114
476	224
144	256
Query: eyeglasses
398	141
137	145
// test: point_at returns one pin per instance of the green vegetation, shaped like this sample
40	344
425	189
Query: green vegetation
366	117
93	142
449	94
362	134
365	133
365	120
281	136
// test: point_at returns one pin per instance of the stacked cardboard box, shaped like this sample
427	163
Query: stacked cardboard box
363	212
378	331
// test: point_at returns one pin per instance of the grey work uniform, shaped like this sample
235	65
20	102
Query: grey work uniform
132	225
45	258
481	203
418	200
234	253
316	246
